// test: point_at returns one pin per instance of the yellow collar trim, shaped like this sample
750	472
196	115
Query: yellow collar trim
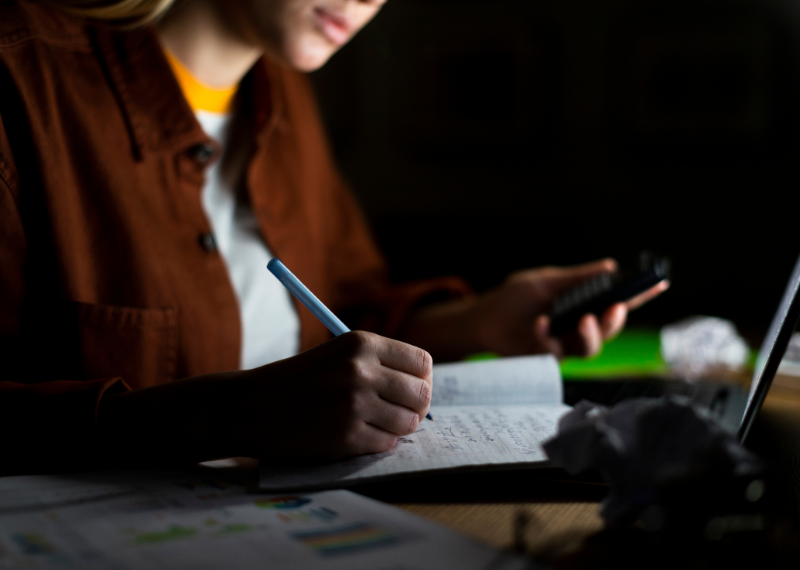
201	97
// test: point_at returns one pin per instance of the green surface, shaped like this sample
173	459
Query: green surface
482	356
634	352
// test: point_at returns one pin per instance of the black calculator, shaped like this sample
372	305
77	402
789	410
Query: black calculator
595	295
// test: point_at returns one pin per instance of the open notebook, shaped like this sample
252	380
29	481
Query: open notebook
488	415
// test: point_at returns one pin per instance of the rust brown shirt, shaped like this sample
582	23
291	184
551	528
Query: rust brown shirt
107	277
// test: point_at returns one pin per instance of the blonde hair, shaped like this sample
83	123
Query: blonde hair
126	13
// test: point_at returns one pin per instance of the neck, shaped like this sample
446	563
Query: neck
206	44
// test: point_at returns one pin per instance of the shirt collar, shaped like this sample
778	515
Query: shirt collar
157	115
201	97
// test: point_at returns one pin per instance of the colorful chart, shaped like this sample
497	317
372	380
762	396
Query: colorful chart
174	532
236	528
33	543
346	539
323	514
287	502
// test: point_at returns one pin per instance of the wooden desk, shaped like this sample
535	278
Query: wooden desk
559	524
554	528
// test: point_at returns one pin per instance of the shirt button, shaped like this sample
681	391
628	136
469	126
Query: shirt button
203	152
207	242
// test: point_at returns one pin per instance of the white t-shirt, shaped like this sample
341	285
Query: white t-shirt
270	325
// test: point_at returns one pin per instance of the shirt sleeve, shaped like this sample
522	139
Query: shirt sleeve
43	423
51	425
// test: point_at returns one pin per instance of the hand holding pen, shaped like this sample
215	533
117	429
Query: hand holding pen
310	301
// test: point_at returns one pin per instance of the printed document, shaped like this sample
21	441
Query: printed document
194	520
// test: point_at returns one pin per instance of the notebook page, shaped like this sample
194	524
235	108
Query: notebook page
461	437
507	381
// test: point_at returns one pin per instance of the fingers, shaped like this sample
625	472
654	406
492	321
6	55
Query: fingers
559	279
613	320
392	382
591	268
541	326
390	353
404	374
390	417
585	340
368	438
648	295
404	390
405	358
589	337
578	273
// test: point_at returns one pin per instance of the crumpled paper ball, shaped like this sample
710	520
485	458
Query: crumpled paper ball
645	449
695	345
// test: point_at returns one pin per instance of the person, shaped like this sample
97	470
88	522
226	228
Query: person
153	156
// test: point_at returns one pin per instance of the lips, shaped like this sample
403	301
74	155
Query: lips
334	26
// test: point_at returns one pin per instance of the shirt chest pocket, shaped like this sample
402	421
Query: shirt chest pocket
100	341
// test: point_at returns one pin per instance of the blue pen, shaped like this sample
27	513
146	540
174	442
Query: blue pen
309	300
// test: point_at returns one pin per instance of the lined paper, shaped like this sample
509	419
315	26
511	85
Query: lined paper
507	381
462	437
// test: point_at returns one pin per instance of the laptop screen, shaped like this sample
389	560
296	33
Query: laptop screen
772	350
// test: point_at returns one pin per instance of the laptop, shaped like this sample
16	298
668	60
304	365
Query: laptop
733	407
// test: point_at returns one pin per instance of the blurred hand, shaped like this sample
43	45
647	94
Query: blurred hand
512	319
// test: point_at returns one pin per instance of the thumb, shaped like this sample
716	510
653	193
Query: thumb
563	278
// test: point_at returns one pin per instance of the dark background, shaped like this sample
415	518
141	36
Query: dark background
488	136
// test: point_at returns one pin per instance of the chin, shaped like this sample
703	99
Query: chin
309	54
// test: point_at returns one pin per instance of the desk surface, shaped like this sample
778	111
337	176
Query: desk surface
553	528
559	525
